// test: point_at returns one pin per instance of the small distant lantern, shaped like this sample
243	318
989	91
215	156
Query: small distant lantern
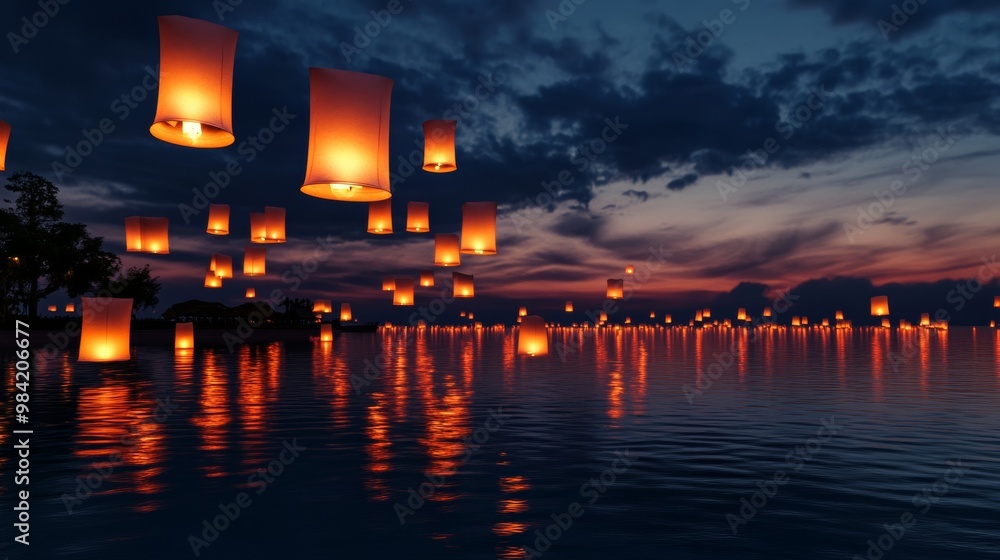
326	332
418	217
741	314
254	261
532	337
697	315
839	316
251	293
345	312
53	308
147	235
218	219
472	315
463	285
222	265
604	316
996	301
805	320
668	319
322	306
426	278
106	328
925	319
523	311
629	270
195	102
211	280
461	314
796	321
479	228
4	139
616	288
885	323
880	306
478	326
767	312
380	217
628	320
70	308
446	250
403	294
388	284
826	322
569	307
439	146
652	314
348	136
706	313
184	336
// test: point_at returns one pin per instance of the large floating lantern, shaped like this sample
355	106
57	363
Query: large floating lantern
345	312
147	235
322	306
348	136
532	337
479	228
616	288
4	139
380	217
418	217
463	285
105	330
403	294
446	250
218	219
388	284
222	265
254	261
426	278
268	226
195	102
880	306
439	146
211	280
184	336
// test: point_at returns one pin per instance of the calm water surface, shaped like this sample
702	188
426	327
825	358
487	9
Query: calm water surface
859	427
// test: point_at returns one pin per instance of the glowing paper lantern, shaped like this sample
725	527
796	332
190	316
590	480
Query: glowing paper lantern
925	319
796	321
211	280
348	136
53	308
767	312
254	261
222	265
886	324
326	333
388	284
426	278
630	270
616	288
652	315
741	314
839	316
322	306
461	314
569	307
628	320
446	250
697	315
472	315
251	293
380	217
805	320
880	306
345	312
826	322
604	317
403	294
418	217
268	226
4	139
479	228
463	285
668	319
147	235
523	311
195	102
996	301
184	336
70	308
706	313
105	330
218	219
532	337
439	146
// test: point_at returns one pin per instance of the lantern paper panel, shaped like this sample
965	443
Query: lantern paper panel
388	284
194	106
218	219
418	217
886	324
147	235
880	306
796	321
348	136
668	319
254	261
380	217
706	313
105	329
604	316
532	337
274	225
616	288
463	285
403	294
446	250
345	312
427	278
479	228
4	139
222	265
184	336
211	280
326	333
439	146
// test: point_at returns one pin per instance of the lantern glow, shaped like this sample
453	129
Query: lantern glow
446	250
388	284
418	217
925	319
463	285
427	278
70	308
222	265
629	269
218	219
479	228
326	333
880	306
439	146
184	336
569	307
211	280
403	294
322	306
522	312
741	314
251	293
345	312
4	139
254	261
532	337
147	235
380	217
616	288
105	330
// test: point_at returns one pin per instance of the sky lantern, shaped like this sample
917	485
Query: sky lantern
439	146
380	217
885	323
652	314
616	288
472	315
668	319
628	320
706	313
70	307
839	316
348	136
479	228
522	311
105	330
388	284
322	306
211	280
796	321
629	270
446	250
463	285
345	312
222	265
53	308
880	306
532	337
426	278
251	293
418	218
741	314
403	294
826	322
254	261
218	219
268	226
925	319
184	336
195	102
996	301
461	313
326	333
697	315
805	321
147	235
4	138
569	307
767	312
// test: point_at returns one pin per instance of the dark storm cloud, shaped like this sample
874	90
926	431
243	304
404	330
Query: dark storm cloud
919	13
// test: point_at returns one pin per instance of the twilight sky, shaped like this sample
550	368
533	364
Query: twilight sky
746	160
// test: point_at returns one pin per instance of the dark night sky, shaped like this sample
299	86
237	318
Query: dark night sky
667	180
